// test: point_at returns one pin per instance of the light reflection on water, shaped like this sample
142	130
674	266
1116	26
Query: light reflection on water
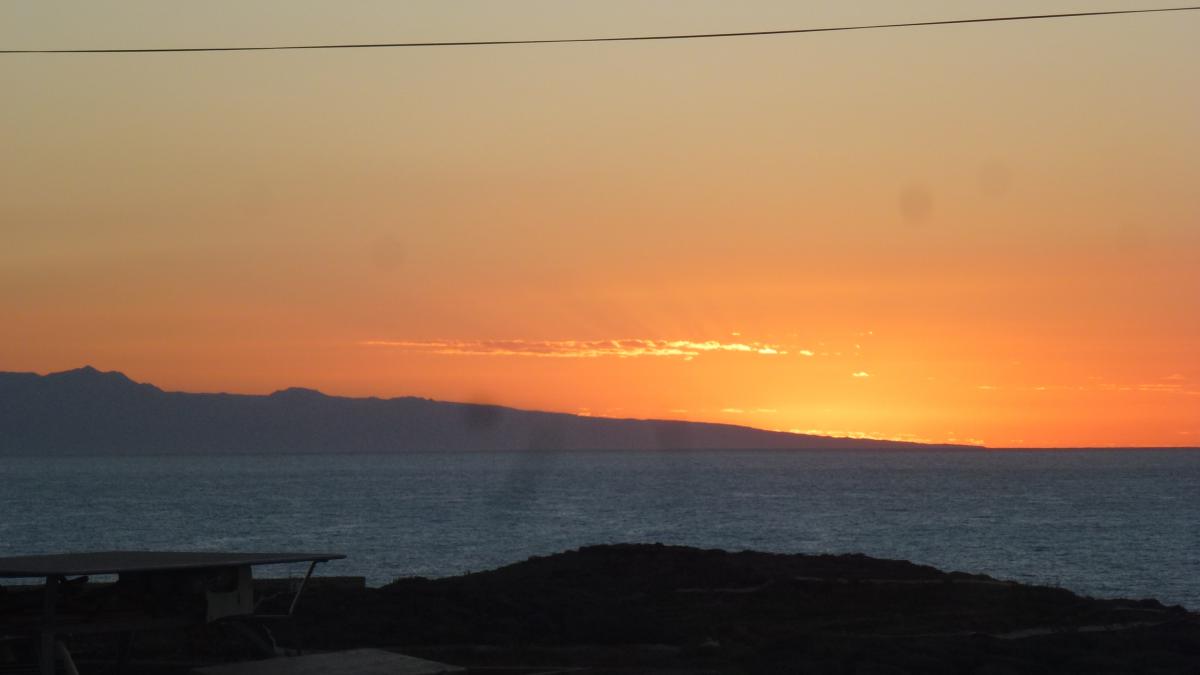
1104	523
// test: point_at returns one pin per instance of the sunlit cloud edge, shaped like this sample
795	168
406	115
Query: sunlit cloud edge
582	349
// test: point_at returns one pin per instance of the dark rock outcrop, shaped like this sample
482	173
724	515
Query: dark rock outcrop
670	607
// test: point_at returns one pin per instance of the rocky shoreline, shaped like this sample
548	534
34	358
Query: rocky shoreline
638	608
672	608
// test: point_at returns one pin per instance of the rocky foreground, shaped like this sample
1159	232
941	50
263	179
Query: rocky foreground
669	609
654	608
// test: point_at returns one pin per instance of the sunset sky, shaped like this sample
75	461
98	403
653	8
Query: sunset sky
978	233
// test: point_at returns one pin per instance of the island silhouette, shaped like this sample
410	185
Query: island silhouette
87	411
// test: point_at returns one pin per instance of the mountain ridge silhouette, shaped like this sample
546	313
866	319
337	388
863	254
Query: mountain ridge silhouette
88	411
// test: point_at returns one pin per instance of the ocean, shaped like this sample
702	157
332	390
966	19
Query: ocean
1101	523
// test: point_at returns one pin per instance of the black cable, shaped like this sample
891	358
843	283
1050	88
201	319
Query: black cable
693	36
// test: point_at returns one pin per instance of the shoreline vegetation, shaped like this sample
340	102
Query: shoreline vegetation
652	608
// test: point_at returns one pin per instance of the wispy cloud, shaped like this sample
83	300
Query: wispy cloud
1154	387
580	349
1174	388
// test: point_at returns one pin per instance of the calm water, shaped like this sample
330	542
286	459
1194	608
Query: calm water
1101	523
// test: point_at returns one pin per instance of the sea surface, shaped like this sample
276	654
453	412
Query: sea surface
1101	523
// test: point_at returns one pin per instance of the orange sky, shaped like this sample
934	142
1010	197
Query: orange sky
983	233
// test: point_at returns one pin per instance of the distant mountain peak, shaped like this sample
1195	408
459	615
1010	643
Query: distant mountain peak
298	393
91	372
90	375
88	370
89	411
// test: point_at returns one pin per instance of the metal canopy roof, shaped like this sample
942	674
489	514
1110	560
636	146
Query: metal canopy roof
116	562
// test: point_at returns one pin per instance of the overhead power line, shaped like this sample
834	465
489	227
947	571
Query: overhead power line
628	38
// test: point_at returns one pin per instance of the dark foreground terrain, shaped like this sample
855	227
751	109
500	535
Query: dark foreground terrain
668	609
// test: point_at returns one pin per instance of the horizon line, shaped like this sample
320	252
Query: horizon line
933	445
627	38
